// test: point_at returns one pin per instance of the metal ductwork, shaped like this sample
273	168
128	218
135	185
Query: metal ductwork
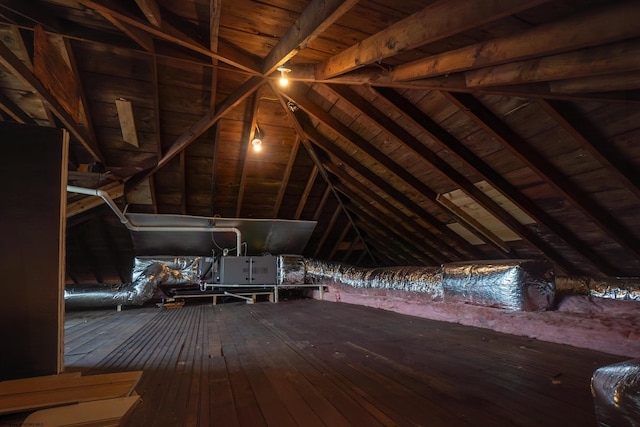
148	274
508	284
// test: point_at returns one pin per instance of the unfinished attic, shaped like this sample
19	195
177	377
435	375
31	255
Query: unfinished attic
320	212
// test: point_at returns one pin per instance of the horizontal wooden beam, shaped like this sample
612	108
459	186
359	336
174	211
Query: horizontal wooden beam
435	22
601	60
589	29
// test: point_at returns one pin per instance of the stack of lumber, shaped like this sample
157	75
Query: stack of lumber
71	399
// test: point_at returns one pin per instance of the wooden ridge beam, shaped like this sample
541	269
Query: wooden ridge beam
552	176
594	27
435	22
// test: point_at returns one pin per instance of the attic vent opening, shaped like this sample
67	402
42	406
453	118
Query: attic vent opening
460	200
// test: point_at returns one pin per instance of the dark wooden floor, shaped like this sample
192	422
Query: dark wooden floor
314	363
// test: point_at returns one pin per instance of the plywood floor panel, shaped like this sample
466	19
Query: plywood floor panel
314	363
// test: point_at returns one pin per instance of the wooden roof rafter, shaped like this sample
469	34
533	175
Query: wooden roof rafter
16	67
320	141
401	242
551	175
475	163
287	176
397	228
313	21
14	111
298	125
429	242
228	54
395	131
246	145
303	102
593	141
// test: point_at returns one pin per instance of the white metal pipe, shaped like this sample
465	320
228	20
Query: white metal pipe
123	219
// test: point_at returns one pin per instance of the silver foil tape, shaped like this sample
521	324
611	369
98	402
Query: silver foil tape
148	273
513	285
616	394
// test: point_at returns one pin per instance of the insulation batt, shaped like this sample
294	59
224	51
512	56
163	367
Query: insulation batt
616	394
525	285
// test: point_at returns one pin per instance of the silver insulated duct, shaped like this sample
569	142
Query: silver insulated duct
508	284
148	273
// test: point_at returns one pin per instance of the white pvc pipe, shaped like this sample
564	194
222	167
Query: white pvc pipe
123	219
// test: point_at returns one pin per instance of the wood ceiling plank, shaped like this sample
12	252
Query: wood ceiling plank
287	176
435	22
290	111
409	204
313	21
209	120
305	194
226	54
250	133
14	111
387	208
407	239
588	29
12	63
593	141
552	176
448	142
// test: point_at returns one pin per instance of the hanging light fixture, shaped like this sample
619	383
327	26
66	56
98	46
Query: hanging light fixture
284	69
256	142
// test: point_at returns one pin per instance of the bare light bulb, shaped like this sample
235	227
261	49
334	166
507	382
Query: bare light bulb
284	70
257	144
